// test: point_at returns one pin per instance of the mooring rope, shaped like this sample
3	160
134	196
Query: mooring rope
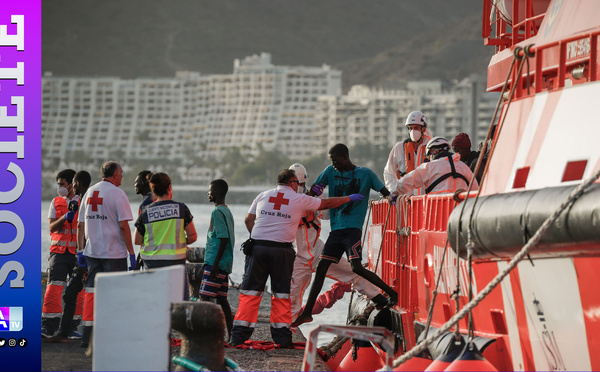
576	194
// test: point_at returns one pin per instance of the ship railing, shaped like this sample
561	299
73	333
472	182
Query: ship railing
500	30
569	61
399	239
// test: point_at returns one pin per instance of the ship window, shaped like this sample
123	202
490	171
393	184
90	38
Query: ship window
521	177
574	170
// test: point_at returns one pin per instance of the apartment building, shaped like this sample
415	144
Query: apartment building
186	117
378	116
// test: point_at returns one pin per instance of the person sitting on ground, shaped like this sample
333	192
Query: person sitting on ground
444	173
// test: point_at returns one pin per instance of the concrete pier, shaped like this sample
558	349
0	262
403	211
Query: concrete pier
70	357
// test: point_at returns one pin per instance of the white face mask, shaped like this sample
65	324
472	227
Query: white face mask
300	189
415	135
62	191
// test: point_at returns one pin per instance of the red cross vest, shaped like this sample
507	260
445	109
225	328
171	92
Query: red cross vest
66	236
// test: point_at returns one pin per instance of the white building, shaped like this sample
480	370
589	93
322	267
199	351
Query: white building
378	116
191	118
188	117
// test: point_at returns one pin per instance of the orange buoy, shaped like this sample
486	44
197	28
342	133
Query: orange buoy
367	359
471	360
453	350
335	360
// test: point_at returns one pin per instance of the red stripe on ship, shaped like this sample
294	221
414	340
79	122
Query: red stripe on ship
542	128
521	315
587	272
506	147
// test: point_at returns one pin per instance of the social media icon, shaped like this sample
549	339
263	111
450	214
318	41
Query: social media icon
22	342
12	342
2	342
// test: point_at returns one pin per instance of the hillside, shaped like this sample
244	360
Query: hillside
376	42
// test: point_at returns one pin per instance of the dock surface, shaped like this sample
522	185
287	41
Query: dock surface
71	357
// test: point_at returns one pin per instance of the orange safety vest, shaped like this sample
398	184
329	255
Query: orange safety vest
409	156
66	237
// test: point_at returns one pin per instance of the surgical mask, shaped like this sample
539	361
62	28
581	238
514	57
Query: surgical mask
62	191
415	135
300	189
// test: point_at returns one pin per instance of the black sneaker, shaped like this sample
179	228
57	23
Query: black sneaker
46	333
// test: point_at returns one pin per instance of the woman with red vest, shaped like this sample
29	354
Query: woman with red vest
63	233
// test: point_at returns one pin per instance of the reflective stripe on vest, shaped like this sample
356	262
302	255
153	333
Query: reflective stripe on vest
66	236
164	240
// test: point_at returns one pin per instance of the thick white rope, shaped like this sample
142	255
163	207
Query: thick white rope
511	265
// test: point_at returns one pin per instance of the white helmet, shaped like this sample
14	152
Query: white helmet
438	143
300	172
416	117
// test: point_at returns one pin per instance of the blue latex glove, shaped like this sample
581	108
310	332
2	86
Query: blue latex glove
69	216
132	262
317	188
356	197
81	261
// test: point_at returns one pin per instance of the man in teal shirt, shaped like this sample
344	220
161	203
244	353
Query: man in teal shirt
218	256
345	178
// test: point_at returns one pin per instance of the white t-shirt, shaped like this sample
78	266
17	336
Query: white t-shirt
103	206
278	213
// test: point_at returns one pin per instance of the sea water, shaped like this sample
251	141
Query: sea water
201	212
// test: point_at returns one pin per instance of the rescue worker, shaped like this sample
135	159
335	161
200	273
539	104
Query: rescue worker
444	173
409	154
273	221
74	293
104	231
308	249
165	228
63	232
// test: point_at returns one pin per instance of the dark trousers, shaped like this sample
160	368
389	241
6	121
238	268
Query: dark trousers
264	262
74	286
60	265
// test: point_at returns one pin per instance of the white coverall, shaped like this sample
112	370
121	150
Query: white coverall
397	162
308	249
427	173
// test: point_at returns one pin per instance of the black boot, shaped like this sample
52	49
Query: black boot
86	336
